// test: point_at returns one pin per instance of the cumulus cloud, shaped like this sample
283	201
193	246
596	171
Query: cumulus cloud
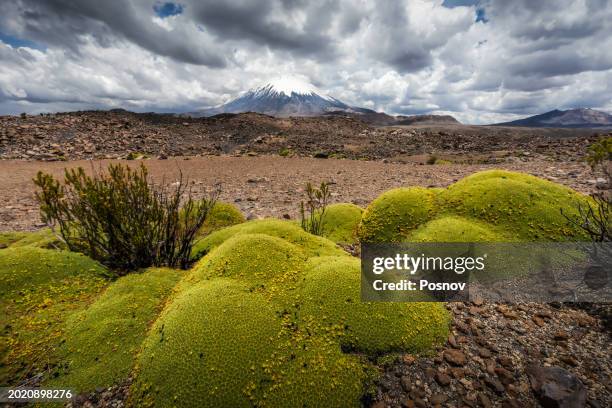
480	60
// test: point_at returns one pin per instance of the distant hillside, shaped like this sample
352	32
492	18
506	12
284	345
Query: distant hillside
572	118
383	119
427	120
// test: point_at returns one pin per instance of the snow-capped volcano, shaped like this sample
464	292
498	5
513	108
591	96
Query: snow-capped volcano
286	96
288	86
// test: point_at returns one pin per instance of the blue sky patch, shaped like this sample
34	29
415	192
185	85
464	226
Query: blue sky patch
17	42
459	3
481	15
167	9
480	11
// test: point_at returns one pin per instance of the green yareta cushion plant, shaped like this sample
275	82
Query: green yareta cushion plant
489	206
340	222
40	290
100	343
272	316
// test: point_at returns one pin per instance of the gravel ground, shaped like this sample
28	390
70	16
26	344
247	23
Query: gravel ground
488	356
272	186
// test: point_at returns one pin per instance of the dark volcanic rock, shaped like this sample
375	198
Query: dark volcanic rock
118	134
556	388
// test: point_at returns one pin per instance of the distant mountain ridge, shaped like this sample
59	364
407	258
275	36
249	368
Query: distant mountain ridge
571	118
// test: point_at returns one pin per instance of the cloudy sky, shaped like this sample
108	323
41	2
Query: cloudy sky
481	61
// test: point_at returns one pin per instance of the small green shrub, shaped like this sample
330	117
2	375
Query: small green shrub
313	211
595	217
121	218
136	156
285	152
442	162
599	154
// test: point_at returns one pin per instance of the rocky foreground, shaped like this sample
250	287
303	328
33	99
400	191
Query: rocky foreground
497	355
122	134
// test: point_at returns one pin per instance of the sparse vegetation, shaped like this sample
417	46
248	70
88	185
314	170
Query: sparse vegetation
442	162
313	211
595	217
285	152
121	218
136	156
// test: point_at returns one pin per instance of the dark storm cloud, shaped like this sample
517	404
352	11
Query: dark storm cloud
65	22
394	40
552	19
265	24
554	63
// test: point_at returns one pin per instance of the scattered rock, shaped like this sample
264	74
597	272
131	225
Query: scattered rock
443	379
556	387
454	357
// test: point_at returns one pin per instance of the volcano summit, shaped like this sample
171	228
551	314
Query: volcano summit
286	96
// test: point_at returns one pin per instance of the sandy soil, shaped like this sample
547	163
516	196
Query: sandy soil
270	185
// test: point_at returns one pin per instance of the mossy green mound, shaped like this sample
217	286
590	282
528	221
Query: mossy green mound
456	229
221	215
331	297
395	213
340	222
100	343
289	231
489	206
261	261
9	238
523	205
40	289
228	347
261	321
43	238
25	269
